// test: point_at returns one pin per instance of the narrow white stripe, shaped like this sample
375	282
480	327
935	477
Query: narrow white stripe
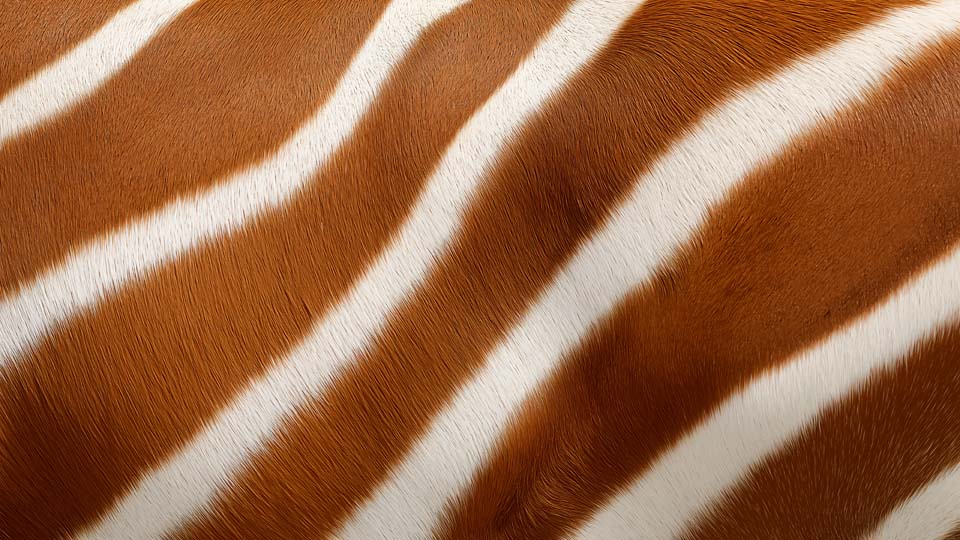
930	514
667	207
776	407
584	30
104	265
191	480
171	494
81	71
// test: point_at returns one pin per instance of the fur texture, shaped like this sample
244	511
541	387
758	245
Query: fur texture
480	269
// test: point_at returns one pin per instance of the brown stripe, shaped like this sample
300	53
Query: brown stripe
587	147
183	343
860	459
477	48
818	237
35	34
221	87
954	534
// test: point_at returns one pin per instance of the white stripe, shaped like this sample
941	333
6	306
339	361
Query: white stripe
191	480
929	514
104	265
396	514
172	493
776	407
80	72
665	210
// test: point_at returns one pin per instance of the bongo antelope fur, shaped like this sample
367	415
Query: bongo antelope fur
480	269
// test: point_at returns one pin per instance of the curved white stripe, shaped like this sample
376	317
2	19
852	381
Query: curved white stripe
81	71
777	406
668	206
407	506
191	480
930	514
104	265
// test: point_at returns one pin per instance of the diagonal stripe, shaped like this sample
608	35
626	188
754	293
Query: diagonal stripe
778	266
81	71
190	336
106	264
931	514
30	39
252	419
567	310
901	148
903	429
426	233
431	226
380	328
775	408
339	448
218	91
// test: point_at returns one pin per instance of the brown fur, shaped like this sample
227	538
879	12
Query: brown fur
780	265
814	239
